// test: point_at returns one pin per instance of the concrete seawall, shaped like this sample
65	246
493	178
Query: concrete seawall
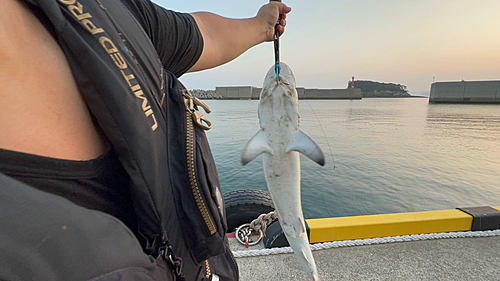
249	92
465	92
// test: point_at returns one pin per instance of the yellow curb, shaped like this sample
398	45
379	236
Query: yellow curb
373	226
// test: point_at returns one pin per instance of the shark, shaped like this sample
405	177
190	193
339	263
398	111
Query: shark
280	141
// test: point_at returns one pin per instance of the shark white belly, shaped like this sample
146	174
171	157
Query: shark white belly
280	141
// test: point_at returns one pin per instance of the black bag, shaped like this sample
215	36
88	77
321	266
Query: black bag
146	114
47	237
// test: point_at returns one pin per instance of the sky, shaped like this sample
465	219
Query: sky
327	42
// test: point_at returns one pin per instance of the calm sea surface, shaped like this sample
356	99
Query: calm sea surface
383	155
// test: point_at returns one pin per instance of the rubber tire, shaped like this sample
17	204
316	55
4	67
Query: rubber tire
245	205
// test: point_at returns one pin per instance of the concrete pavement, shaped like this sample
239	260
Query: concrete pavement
442	259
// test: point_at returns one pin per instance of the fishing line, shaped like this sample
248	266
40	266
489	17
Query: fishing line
329	147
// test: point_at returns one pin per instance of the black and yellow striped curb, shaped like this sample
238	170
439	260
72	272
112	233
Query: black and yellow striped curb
374	226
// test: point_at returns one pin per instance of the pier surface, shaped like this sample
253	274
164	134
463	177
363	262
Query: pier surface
442	259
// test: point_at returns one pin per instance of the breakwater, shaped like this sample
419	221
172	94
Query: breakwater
465	92
206	94
253	93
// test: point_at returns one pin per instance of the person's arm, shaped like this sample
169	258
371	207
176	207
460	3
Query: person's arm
225	39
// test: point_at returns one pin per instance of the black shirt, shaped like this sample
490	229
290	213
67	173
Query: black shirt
175	36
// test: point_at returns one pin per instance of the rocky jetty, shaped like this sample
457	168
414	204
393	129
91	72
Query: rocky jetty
206	94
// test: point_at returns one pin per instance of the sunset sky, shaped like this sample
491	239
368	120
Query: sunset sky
327	42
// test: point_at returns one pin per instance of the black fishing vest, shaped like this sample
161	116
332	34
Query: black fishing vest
145	113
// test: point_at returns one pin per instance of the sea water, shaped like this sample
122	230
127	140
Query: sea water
383	155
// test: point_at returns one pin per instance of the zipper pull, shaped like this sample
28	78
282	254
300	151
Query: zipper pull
197	116
191	105
198	102
188	100
201	121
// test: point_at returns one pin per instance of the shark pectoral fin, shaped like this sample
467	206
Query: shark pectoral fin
305	145
255	147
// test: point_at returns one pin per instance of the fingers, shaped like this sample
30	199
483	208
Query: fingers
282	8
281	26
269	15
283	11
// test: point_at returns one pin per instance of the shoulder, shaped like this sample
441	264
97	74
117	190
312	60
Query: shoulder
175	36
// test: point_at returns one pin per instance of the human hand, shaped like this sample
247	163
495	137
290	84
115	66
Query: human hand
269	14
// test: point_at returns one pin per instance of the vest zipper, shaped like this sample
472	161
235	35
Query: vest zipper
191	171
209	273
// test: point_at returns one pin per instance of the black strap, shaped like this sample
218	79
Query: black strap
174	263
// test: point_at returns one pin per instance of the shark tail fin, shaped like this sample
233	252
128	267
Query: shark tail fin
255	147
305	145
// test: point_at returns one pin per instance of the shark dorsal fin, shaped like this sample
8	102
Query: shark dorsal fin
305	145
255	147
